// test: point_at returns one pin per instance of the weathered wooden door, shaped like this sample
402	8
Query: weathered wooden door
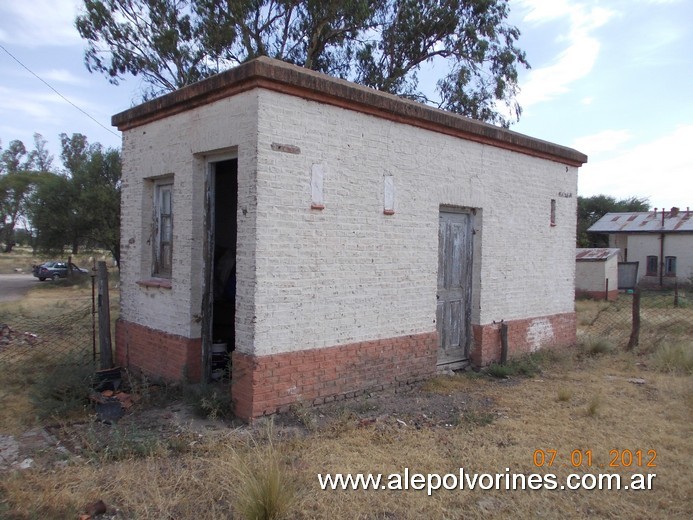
455	256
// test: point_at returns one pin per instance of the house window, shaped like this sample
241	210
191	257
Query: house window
553	212
670	266
163	228
651	266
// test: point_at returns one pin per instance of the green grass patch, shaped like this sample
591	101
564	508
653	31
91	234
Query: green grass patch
528	366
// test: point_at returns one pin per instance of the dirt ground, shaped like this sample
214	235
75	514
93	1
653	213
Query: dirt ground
416	406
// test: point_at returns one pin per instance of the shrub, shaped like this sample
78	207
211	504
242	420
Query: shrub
62	389
210	401
528	365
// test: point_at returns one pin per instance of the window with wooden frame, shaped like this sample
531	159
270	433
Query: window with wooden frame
670	266
163	228
652	266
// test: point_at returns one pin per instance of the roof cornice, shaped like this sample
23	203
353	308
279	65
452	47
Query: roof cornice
278	76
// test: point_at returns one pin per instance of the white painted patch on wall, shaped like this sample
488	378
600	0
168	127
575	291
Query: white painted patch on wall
539	333
317	180
389	194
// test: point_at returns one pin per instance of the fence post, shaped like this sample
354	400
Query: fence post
106	356
676	293
504	342
635	331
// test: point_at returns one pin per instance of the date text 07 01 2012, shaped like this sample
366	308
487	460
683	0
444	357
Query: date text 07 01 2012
577	458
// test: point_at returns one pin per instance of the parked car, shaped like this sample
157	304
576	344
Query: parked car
55	270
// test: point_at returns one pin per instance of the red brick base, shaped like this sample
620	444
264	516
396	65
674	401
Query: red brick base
524	336
156	353
263	385
268	384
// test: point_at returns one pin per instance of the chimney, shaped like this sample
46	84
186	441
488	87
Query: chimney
655	212
674	211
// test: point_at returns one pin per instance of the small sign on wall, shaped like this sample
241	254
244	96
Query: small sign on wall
317	180
389	194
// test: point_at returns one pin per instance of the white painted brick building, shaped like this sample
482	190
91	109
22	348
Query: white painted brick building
342	208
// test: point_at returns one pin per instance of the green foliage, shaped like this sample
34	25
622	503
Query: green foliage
119	443
18	171
379	43
63	388
528	365
475	418
82	205
591	209
210	401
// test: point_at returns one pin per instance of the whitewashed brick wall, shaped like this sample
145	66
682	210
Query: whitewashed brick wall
310	278
350	273
181	145
643	245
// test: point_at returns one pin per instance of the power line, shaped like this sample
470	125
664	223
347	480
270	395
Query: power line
54	90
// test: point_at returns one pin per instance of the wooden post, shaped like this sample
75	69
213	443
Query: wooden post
504	342
635	331
606	291
93	314
676	293
104	319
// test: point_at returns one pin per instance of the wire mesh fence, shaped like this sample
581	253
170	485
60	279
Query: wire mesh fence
61	334
658	317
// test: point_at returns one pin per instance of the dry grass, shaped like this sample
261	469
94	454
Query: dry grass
49	311
214	479
576	402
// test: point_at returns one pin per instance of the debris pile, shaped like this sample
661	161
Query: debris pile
10	337
111	405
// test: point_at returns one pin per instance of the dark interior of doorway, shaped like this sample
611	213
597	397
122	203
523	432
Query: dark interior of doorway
224	290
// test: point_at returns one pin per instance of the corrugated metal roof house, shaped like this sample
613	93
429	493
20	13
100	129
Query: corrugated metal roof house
660	241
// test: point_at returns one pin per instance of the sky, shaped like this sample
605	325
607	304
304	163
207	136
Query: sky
611	78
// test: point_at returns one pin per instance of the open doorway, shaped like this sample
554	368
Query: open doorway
220	306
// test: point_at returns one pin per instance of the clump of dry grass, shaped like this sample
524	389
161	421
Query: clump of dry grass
594	406
255	474
674	357
564	395
595	346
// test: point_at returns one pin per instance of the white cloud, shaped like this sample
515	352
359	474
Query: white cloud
605	141
61	76
659	170
42	23
577	58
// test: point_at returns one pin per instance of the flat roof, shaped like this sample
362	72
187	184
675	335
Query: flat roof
279	76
